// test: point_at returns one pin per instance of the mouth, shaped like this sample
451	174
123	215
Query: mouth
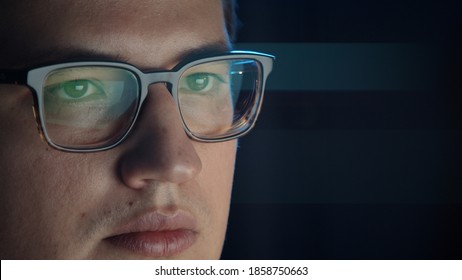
156	235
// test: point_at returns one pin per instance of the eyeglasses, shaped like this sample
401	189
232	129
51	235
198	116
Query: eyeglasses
92	106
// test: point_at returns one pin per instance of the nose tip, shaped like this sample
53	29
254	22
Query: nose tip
159	149
142	166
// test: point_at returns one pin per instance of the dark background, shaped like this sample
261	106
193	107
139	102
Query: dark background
358	150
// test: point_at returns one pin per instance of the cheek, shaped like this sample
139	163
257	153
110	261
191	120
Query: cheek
44	201
21	198
216	181
17	123
217	168
18	136
42	191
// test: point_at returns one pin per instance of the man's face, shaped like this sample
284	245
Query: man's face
157	195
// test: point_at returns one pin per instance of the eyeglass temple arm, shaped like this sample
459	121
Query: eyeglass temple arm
13	76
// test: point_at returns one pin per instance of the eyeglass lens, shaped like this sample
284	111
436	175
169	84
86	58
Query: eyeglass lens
217	98
94	106
87	107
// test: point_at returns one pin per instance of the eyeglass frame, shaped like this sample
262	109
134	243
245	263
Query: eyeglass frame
34	79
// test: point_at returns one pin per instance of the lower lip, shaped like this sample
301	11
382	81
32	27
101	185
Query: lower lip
155	244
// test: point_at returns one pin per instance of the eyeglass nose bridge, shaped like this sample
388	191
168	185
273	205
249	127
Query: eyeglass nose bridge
148	79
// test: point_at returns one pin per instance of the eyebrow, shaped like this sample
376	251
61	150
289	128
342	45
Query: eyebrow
210	48
57	55
50	56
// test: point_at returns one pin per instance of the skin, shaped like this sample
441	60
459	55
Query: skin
58	205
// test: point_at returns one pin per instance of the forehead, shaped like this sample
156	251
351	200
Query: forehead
149	33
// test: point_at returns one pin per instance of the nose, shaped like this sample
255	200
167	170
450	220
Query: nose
158	149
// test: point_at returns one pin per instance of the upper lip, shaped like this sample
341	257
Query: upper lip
157	221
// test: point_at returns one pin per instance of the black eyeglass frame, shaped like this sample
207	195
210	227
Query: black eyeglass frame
34	78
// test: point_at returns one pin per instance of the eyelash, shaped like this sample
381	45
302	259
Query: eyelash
212	78
55	90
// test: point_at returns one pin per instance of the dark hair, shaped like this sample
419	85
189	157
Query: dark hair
231	20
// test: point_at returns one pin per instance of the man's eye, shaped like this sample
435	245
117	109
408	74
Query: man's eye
78	89
201	82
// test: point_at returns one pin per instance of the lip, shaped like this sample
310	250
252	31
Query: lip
156	235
